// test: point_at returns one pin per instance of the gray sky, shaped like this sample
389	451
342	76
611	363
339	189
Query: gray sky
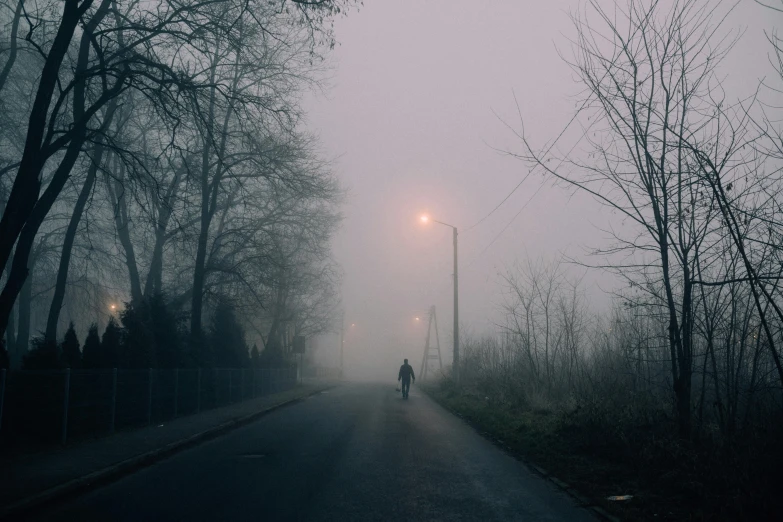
413	112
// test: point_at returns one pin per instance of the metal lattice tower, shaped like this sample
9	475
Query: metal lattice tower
431	353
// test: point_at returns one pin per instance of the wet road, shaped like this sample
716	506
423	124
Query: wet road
356	452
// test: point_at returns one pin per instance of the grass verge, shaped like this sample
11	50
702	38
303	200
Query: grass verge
668	480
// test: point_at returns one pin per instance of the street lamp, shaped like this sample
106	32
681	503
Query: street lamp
342	343
426	219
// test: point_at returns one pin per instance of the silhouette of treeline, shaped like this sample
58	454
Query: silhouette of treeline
149	335
140	369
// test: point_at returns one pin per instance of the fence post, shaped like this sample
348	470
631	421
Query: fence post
2	395
149	397
230	385
242	385
198	391
64	437
113	399
176	389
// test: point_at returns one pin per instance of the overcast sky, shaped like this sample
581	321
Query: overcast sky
416	106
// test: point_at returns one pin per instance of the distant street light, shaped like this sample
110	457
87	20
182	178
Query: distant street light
426	219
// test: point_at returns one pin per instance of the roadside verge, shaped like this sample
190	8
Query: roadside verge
486	429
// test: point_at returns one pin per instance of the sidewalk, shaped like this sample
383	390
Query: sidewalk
34	479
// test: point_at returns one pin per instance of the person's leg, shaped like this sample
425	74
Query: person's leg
405	387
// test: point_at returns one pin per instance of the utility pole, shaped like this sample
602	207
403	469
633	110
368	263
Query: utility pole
428	357
455	358
342	342
455	364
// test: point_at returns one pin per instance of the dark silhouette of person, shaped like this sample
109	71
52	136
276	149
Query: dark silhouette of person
405	375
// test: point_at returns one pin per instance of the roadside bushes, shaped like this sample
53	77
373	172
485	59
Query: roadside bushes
70	349
46	355
596	391
227	339
149	335
43	356
152	335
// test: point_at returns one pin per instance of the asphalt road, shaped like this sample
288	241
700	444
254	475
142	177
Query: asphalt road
356	452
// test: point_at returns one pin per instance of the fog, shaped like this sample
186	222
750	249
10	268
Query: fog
214	212
416	116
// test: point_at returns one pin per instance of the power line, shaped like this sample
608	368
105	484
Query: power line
537	190
480	221
529	173
507	225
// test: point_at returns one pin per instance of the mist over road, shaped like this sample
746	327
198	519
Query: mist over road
356	452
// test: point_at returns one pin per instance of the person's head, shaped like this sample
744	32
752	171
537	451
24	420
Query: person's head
405	361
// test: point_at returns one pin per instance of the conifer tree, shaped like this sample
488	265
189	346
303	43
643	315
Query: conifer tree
69	349
91	355
228	338
111	343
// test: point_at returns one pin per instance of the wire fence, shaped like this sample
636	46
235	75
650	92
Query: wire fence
58	406
320	372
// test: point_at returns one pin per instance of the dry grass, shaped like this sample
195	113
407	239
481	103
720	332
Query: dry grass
603	453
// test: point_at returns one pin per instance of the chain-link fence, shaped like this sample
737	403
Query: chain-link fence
50	406
320	372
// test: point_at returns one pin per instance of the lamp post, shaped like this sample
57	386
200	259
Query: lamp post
342	342
455	365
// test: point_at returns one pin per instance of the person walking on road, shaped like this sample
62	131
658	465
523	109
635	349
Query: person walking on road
406	375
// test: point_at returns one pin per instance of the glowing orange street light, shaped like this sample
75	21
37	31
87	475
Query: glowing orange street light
113	307
424	218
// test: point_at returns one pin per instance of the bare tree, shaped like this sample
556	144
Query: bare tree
99	52
649	73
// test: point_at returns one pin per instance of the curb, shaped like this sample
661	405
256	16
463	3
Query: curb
581	501
128	466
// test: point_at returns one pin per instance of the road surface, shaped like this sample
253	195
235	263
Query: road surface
356	452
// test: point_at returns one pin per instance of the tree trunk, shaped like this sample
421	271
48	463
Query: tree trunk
25	210
13	48
122	224
65	256
10	337
197	299
27	185
23	329
19	270
154	284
